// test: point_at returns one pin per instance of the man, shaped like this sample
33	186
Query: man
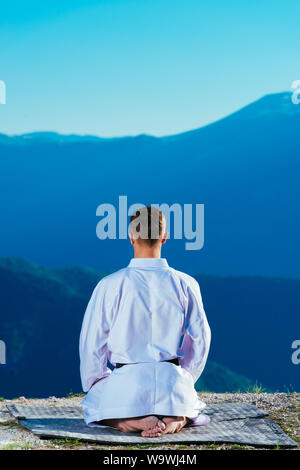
148	320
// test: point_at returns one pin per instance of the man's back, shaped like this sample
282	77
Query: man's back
150	303
139	315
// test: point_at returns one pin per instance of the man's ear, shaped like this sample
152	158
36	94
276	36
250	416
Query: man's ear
164	238
132	240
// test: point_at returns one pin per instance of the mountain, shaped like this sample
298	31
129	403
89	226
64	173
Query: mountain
254	321
243	168
41	315
48	137
217	378
42	310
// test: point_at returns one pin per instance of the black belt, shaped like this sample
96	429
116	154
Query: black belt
174	361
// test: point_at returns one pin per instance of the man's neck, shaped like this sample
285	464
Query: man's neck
147	253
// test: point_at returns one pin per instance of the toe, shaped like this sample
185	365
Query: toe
151	433
159	429
161	425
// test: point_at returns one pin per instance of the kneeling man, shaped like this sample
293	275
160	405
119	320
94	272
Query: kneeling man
148	320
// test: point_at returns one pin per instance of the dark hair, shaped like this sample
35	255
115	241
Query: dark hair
147	224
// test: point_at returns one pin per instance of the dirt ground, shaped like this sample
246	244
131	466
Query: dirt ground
283	408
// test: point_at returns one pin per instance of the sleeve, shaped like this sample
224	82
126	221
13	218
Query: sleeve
93	349
197	335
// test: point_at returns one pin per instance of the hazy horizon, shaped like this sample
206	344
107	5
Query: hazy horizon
87	134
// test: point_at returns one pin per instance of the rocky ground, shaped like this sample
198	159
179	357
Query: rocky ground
283	408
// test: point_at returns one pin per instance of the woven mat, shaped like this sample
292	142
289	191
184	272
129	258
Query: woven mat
238	423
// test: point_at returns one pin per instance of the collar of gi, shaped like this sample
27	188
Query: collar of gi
148	263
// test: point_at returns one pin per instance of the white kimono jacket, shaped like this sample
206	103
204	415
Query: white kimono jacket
138	316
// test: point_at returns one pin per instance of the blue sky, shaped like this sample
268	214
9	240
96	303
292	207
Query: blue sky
125	67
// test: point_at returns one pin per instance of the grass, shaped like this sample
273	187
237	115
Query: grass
18	446
256	389
290	425
12	424
290	389
75	395
69	443
213	445
151	446
238	447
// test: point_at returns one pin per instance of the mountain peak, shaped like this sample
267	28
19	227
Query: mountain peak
275	103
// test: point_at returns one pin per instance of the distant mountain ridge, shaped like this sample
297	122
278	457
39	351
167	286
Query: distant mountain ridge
244	168
277	104
42	310
49	137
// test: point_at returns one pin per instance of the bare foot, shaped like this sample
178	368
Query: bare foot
150	426
174	423
156	430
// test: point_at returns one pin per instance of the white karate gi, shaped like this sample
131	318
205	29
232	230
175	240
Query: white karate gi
138	316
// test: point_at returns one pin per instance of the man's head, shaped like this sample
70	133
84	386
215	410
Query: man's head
148	229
